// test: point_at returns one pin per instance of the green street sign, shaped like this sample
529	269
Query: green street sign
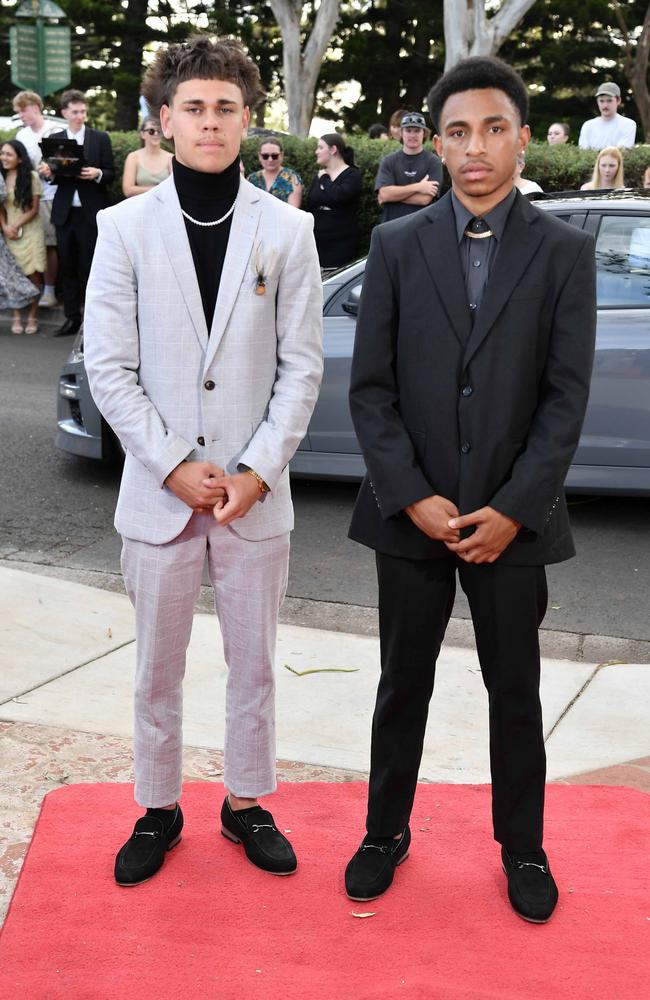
40	57
39	8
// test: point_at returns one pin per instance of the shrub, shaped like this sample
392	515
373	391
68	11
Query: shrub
555	168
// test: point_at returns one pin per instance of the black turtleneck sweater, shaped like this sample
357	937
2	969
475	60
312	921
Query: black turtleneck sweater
207	197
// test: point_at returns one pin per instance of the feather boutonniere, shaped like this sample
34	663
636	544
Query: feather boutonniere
263	263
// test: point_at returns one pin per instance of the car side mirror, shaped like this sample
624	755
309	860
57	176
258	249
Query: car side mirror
351	304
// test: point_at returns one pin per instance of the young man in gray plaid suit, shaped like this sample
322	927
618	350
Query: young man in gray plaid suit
203	351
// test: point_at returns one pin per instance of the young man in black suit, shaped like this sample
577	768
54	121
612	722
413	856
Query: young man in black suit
76	204
470	379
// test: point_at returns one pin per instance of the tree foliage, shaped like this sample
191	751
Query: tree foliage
394	49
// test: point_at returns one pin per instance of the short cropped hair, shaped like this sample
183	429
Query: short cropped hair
479	73
72	97
201	57
25	98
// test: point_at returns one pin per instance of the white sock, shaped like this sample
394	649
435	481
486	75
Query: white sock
49	290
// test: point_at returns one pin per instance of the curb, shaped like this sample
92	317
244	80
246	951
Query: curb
361	620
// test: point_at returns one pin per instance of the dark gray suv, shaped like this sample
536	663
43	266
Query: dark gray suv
614	451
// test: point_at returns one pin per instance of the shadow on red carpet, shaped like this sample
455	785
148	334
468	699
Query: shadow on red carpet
210	926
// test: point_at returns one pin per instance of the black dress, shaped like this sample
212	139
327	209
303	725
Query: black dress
335	207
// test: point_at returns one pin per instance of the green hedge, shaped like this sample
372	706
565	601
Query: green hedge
555	168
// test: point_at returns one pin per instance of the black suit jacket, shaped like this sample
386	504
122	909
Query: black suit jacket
92	194
483	416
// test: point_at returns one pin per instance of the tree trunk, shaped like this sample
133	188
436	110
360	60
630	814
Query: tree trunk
636	67
129	75
302	66
469	32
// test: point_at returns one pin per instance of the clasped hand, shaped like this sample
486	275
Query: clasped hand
438	518
204	487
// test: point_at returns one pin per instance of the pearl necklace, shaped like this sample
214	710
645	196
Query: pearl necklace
216	222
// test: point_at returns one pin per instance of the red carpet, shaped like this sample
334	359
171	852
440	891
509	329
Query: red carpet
210	926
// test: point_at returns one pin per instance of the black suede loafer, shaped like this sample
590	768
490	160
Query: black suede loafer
144	852
265	846
371	870
531	887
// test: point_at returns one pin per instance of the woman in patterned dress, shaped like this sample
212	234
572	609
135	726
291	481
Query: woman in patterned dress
16	291
21	224
275	178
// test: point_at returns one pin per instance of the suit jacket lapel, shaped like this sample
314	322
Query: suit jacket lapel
439	244
177	246
521	239
244	225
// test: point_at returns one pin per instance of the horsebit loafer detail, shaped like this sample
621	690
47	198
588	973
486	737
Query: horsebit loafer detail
531	887
371	870
144	852
265	846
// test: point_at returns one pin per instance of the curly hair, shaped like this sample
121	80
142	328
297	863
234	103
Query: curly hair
479	73
201	57
23	194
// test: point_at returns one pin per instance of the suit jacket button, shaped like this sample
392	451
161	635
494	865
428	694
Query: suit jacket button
467	390
201	441
465	447
209	384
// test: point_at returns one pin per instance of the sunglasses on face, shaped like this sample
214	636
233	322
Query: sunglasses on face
270	156
151	131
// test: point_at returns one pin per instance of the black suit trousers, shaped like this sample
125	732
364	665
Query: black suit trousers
507	604
76	240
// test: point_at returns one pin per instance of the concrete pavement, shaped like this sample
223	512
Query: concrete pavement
67	664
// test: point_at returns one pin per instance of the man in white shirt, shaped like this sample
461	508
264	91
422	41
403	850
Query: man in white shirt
76	203
29	106
610	128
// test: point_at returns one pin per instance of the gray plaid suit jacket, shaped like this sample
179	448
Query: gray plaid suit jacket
149	358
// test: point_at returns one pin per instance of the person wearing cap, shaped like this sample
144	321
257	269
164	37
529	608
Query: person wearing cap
610	128
410	178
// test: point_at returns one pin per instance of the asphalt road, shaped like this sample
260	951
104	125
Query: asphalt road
57	510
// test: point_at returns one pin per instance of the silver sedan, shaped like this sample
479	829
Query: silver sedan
614	451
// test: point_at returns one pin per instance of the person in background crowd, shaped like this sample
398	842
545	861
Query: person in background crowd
75	206
146	167
608	171
610	128
333	200
395	123
525	186
646	178
29	106
274	177
16	291
409	178
21	223
378	131
558	134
